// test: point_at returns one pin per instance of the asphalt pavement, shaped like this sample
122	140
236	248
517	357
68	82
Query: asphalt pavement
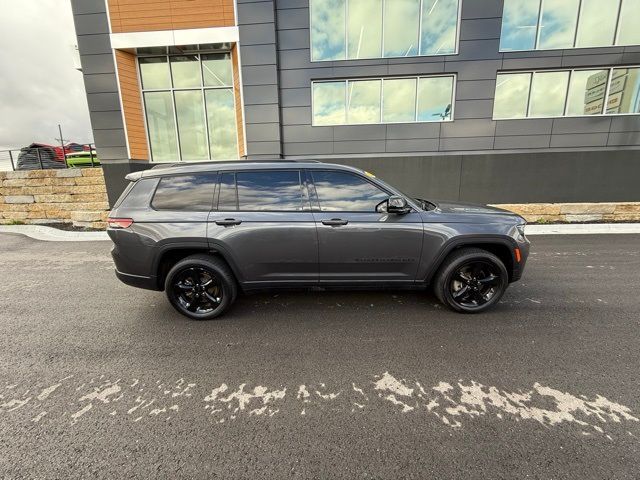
102	380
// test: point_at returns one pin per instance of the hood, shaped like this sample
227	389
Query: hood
469	208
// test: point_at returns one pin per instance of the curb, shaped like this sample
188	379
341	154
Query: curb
50	234
40	232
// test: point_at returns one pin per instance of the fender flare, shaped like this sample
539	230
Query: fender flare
471	241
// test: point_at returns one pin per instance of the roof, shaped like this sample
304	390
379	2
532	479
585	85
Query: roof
235	165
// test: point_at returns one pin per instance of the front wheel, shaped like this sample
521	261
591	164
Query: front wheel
471	280
201	287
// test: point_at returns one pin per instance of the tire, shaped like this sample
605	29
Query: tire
201	287
471	280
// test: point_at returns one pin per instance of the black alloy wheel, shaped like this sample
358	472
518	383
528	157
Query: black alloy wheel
471	280
201	286
198	290
475	283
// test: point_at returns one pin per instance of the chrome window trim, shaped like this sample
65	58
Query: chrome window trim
536	47
453	76
346	37
608	69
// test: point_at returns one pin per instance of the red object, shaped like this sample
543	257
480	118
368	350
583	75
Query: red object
518	255
119	223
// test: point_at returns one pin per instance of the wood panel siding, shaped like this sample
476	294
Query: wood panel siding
148	15
238	97
132	105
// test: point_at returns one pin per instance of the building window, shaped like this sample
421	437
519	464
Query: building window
357	29
190	106
567	93
383	100
559	24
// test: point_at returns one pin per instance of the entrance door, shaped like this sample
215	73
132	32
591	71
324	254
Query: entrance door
357	242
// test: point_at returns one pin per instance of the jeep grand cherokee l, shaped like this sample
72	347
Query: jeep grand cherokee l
203	232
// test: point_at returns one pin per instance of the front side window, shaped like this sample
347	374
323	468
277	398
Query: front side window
190	107
270	190
346	192
568	93
559	24
185	192
357	29
388	100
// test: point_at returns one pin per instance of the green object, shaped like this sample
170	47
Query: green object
82	159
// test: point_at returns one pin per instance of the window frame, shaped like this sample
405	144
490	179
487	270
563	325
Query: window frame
419	46
172	89
305	197
313	193
536	47
214	196
453	76
608	69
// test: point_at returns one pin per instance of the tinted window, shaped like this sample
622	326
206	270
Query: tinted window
346	192
269	190
228	199
137	194
185	192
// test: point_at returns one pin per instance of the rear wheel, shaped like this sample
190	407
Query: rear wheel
471	280
201	287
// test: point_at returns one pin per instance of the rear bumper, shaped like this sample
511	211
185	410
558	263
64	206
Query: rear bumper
148	283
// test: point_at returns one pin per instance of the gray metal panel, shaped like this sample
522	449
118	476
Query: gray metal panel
462	144
263	148
359	146
91	24
261	94
295	97
102	102
531	63
468	128
475	70
293	18
538	126
581	125
106	120
255	12
262	114
416	145
258	34
481	8
476	90
82	7
306	133
263	132
102	63
413	130
308	148
100	83
580	140
515	142
625	124
359	132
296	116
293	39
259	74
93	44
624	138
258	54
109	138
473	109
480	29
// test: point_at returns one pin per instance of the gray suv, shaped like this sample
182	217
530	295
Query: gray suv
203	232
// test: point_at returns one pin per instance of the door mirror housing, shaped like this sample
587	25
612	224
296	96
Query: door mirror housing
398	205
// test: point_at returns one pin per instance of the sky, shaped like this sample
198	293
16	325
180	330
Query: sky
39	86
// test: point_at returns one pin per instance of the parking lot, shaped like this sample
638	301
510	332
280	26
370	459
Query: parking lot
100	379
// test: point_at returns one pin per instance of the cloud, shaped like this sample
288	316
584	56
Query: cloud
39	87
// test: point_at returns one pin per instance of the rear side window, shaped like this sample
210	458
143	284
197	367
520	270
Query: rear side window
267	190
276	191
185	192
346	192
137	194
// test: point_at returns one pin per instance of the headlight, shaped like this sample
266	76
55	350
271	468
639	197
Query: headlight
521	228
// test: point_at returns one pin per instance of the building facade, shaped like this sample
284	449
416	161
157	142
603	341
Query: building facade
493	101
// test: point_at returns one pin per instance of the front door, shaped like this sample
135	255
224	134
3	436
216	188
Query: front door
357	242
263	221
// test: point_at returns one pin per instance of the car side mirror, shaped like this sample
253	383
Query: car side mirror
398	205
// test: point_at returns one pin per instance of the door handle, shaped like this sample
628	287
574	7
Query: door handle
227	222
335	222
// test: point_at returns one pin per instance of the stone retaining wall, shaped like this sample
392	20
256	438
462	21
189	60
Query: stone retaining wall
73	195
577	212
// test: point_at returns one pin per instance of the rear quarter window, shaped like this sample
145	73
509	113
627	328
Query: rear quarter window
137	194
185	192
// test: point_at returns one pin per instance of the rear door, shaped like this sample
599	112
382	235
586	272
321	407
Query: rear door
263	221
357	243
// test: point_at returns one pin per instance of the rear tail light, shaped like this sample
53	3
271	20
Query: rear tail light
119	222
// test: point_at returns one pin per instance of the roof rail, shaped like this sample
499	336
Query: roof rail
230	162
